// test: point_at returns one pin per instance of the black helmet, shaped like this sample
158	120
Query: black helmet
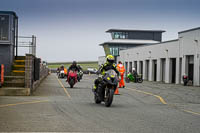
74	63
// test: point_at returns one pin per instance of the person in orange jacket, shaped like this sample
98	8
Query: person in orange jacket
121	69
65	71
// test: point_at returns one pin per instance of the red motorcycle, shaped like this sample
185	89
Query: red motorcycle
72	78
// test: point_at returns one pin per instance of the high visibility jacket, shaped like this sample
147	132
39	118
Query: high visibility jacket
120	68
106	67
65	70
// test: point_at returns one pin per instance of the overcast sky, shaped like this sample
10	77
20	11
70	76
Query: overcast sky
69	30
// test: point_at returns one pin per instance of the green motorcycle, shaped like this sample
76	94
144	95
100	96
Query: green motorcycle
79	75
131	78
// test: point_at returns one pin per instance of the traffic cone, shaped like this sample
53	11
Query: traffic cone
117	91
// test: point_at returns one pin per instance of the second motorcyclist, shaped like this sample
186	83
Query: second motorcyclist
74	67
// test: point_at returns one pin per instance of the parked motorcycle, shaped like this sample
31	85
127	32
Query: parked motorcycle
72	78
131	78
80	75
109	83
185	79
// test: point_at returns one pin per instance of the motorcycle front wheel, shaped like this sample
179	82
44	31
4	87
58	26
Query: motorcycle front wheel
96	99
71	83
109	98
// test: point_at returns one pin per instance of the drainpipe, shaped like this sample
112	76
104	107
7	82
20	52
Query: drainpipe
196	65
16	38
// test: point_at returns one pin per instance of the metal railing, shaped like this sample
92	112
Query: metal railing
26	45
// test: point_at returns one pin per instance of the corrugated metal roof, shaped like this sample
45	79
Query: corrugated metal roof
132	30
130	41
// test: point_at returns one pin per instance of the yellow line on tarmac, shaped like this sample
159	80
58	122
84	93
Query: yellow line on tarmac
15	104
63	87
189	111
163	101
151	94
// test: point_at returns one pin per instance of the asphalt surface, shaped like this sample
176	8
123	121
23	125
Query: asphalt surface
141	108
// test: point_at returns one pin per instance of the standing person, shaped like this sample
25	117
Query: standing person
121	69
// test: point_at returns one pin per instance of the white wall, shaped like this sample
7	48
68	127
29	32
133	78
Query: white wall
190	45
187	44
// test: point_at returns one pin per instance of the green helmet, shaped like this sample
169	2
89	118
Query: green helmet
110	59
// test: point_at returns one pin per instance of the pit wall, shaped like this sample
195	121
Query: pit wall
32	81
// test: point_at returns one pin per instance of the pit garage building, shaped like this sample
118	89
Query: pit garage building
167	61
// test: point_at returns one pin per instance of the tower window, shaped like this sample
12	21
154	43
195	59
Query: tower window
120	35
4	27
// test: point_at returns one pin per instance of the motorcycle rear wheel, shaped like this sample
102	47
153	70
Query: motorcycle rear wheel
139	80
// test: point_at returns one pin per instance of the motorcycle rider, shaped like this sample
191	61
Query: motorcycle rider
74	67
104	67
62	67
80	68
135	74
80	74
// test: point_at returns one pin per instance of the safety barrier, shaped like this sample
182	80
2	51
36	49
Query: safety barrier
2	75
